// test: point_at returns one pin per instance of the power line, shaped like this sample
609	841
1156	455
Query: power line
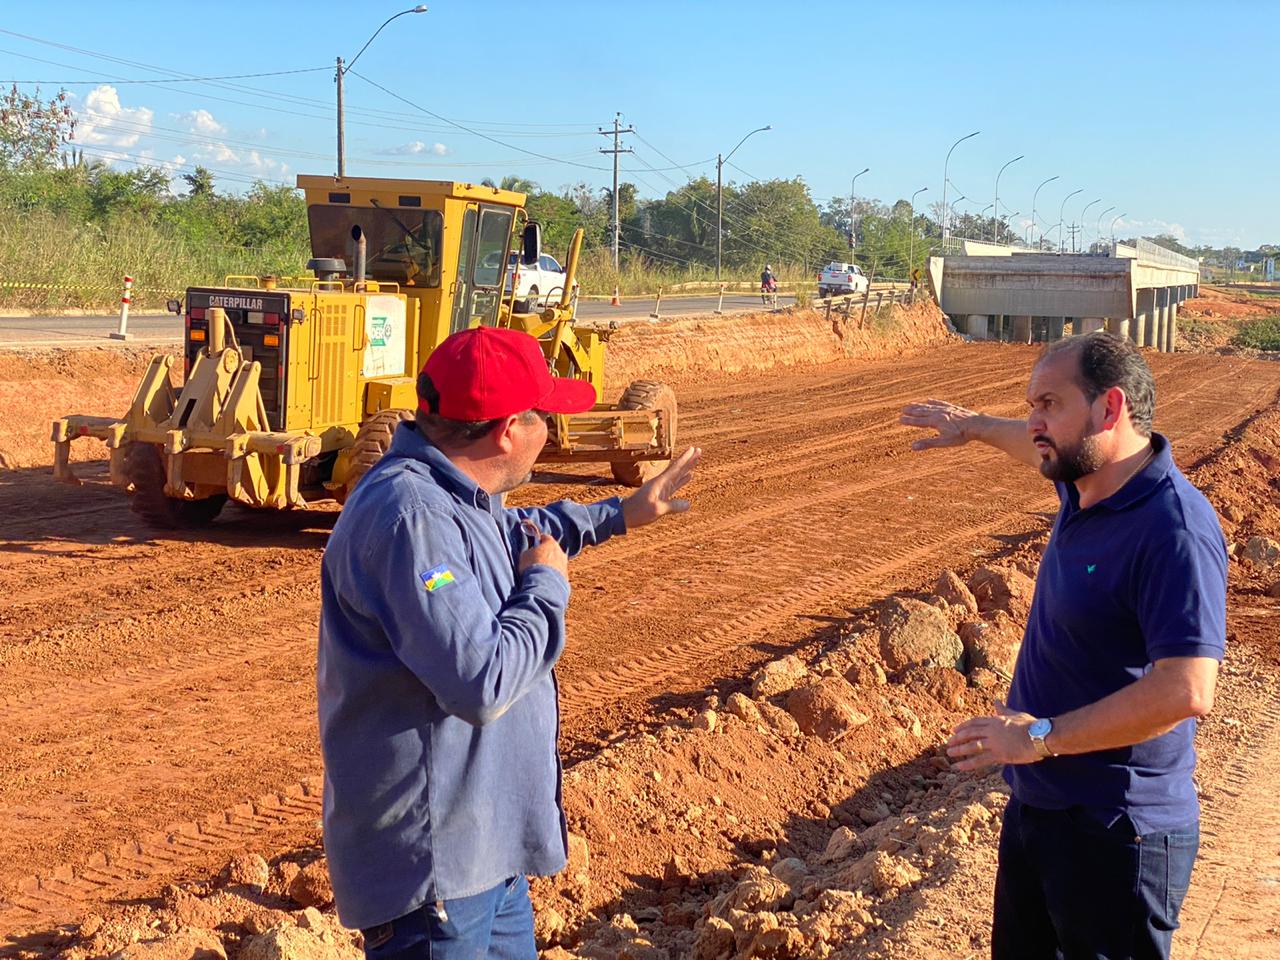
474	133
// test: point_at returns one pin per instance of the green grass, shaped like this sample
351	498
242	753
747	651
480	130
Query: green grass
1261	334
82	265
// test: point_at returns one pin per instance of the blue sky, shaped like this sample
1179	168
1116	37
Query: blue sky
1165	110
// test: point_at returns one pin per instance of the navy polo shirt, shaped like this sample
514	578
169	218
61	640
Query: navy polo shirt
1136	577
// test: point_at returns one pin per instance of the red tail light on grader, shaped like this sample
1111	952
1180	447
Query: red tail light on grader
292	387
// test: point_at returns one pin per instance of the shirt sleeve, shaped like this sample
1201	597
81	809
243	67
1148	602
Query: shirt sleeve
1182	603
576	525
475	663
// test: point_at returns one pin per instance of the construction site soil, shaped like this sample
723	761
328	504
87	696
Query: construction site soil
753	759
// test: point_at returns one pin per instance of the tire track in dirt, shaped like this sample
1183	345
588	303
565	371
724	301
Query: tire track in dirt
1233	909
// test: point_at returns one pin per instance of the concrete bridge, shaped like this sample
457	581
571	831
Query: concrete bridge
1005	293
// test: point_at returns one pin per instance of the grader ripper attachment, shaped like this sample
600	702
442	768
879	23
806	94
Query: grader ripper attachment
292	387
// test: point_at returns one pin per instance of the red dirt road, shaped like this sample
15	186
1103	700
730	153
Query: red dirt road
156	695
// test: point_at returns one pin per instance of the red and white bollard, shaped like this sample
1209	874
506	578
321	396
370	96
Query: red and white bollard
125	299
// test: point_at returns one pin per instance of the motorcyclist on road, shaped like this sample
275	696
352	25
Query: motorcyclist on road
768	282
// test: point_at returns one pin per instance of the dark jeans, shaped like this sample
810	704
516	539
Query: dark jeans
494	925
1069	888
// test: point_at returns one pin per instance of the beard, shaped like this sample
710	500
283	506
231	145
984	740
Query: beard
1068	463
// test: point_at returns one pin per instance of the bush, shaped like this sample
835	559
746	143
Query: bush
1261	334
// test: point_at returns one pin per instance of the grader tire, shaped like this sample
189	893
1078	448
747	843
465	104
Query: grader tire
373	439
645	395
144	466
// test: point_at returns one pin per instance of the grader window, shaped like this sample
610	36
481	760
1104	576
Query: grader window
403	245
495	232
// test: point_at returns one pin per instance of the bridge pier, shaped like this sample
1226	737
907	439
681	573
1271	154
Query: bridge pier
1173	326
1119	326
1021	329
976	325
1162	298
1056	327
1086	325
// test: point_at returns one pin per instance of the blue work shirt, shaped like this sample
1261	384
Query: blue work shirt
1137	577
438	706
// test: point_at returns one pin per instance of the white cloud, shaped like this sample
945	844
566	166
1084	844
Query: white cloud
104	121
202	122
415	149
1149	228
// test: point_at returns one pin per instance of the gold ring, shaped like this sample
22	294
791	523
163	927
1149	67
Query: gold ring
981	747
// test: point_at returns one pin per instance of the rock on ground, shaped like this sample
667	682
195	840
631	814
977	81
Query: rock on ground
912	632
827	708
953	590
777	676
1003	588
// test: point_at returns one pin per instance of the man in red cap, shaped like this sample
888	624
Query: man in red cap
442	618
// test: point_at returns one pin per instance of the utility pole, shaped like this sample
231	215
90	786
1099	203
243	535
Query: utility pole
342	155
853	188
1073	228
616	132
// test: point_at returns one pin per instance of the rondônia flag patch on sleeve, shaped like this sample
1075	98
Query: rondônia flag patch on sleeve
437	578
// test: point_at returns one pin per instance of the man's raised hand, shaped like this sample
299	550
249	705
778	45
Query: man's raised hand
657	497
950	422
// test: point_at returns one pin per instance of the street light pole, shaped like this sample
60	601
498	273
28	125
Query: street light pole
1033	208
1082	213
720	162
995	213
1062	208
853	187
911	255
1098	231
944	181
1119	216
342	72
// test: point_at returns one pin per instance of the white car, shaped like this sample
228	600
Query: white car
537	284
841	278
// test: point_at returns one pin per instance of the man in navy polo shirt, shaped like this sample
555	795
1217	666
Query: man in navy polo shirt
1120	656
441	620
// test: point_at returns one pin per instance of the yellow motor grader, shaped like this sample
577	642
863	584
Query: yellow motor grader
292	387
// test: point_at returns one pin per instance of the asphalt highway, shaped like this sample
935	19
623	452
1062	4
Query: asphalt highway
163	328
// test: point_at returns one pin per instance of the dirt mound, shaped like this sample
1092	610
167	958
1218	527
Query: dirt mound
725	345
38	386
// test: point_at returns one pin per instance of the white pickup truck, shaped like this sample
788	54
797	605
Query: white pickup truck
841	278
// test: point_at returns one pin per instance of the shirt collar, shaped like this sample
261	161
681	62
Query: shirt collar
1142	483
409	442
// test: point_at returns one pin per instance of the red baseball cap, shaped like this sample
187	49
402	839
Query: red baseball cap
489	372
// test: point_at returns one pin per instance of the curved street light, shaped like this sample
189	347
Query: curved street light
944	176
1098	232
342	72
995	213
911	249
853	188
1083	211
1033	207
1062	208
720	162
1119	216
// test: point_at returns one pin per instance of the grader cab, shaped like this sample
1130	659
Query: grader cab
292	387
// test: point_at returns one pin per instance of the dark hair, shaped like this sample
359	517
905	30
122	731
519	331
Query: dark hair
451	434
1107	361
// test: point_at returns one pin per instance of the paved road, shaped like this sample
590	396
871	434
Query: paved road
144	328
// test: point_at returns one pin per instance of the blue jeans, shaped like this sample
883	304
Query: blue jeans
1070	888
494	925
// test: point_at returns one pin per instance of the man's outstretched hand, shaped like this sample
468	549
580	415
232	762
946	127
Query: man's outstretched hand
657	497
949	420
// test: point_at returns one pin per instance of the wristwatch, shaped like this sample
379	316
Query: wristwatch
1038	730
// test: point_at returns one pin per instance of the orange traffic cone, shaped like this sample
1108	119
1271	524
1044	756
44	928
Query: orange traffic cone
615	302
